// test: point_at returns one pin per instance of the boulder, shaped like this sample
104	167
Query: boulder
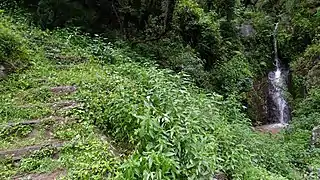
247	30
315	139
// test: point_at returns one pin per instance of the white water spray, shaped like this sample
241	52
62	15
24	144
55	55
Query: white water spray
277	80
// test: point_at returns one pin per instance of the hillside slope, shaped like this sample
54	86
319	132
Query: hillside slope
87	109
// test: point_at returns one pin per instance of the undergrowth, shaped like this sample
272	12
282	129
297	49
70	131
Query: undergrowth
13	52
170	128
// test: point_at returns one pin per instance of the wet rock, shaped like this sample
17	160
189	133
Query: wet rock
271	128
278	108
315	139
247	30
257	101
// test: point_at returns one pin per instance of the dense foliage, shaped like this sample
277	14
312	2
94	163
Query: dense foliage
13	54
149	73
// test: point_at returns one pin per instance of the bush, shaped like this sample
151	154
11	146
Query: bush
201	31
259	46
306	66
13	53
234	75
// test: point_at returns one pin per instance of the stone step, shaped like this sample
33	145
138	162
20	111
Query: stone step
65	105
57	90
62	105
63	89
66	59
42	81
34	122
42	176
18	154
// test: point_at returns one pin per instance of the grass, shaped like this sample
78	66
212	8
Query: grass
81	136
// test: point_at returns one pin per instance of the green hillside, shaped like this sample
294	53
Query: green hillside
82	99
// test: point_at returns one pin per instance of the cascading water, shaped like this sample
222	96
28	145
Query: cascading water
278	107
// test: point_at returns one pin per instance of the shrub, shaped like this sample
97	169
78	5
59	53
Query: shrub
13	53
259	46
201	31
234	75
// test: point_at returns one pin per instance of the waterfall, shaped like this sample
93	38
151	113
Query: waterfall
278	108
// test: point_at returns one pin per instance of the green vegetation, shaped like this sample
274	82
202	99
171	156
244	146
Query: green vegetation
13	53
160	88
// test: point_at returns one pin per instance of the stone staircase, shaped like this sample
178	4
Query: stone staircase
20	151
38	114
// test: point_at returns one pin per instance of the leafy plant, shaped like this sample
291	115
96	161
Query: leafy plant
13	54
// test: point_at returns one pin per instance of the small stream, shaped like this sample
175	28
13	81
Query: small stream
278	109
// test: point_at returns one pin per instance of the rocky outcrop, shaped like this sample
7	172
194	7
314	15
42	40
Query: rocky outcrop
257	102
315	139
247	30
277	92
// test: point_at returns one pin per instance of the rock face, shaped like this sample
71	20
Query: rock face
257	101
2	72
315	139
276	92
246	30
